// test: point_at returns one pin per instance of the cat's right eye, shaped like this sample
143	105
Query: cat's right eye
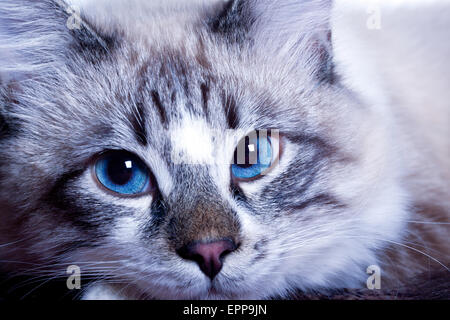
123	173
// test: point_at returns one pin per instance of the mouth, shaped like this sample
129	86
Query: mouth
213	291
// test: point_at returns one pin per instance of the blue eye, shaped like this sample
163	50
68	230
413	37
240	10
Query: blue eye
252	157
123	173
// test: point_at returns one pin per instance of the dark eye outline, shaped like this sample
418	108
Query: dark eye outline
151	183
275	156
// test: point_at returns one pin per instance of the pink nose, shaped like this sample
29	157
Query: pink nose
209	256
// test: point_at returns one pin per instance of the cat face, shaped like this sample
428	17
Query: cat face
121	157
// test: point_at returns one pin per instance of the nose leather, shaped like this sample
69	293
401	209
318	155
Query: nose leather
209	256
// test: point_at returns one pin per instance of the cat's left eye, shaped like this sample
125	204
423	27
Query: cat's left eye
122	173
255	155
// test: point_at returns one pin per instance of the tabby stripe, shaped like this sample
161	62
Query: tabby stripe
138	124
159	106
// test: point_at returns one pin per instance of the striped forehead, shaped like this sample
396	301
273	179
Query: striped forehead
171	77
182	99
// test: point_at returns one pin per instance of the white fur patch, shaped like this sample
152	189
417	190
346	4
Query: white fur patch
102	292
192	142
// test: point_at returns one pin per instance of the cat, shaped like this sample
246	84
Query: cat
121	138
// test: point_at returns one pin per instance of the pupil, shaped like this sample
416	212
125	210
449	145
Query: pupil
120	171
251	152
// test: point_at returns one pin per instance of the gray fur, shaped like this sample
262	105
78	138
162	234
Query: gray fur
313	224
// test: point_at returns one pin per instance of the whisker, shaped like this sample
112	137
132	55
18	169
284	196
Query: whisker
429	222
408	247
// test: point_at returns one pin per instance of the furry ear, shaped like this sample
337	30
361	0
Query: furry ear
36	35
297	30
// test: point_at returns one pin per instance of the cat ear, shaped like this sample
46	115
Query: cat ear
38	35
296	30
